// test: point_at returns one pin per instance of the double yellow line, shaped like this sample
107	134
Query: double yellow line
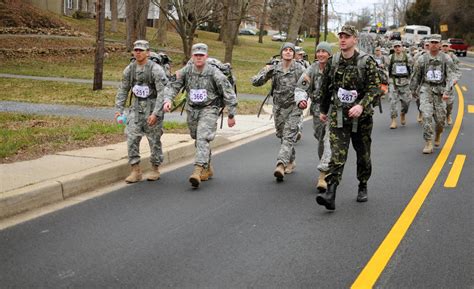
381	257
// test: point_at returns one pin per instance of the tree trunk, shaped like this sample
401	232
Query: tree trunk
224	23
137	14
318	22
295	21
161	33
262	22
326	20
237	10
143	7
100	48
114	15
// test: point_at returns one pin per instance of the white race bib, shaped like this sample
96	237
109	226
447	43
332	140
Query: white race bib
434	75
401	69
198	95
141	91
346	96
379	61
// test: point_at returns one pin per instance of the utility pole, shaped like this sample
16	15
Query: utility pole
326	20
318	22
99	47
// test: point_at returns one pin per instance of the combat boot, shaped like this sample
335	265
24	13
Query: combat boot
154	174
328	198
195	178
322	185
449	119
428	149
437	140
207	173
135	175
279	172
393	124
403	120
419	118
362	193
290	167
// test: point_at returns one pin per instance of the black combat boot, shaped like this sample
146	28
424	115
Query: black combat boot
362	193
328	198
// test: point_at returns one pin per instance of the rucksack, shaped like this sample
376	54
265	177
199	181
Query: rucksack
404	60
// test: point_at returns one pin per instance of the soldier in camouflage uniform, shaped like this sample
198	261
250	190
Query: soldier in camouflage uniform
147	81
434	73
207	90
309	86
450	101
284	76
426	49
400	68
350	83
300	55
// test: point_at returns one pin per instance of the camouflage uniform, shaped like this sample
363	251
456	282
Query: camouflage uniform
434	75
203	112
400	68
286	114
309	85
150	75
450	101
342	128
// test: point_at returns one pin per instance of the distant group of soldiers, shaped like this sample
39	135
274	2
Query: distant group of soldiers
340	89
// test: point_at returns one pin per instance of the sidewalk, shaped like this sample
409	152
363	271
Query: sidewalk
53	178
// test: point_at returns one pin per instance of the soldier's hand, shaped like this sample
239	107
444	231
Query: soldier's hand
323	117
302	104
230	122
167	106
117	114
455	82
356	111
445	97
152	120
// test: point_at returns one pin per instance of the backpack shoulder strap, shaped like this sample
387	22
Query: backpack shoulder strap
361	64
334	65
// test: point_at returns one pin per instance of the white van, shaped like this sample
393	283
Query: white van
414	33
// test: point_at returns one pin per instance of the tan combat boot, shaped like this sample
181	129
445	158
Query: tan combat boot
393	124
195	178
207	173
154	174
428	149
290	167
449	119
135	175
322	185
419	118
437	140
403	120
279	172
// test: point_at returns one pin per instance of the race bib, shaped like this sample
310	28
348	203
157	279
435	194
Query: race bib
379	61
141	91
198	95
346	96
434	75
401	69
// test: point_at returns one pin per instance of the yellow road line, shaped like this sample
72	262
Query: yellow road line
464	88
379	260
455	172
470	108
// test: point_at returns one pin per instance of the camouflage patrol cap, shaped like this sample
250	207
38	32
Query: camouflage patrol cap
299	50
199	48
141	44
444	43
349	30
435	38
397	43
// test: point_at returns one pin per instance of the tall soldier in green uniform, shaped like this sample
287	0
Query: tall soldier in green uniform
207	90
435	74
450	101
350	83
284	76
147	81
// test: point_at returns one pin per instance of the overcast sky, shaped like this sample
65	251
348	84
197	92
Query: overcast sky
348	6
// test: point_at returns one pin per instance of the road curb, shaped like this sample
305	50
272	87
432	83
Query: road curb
48	192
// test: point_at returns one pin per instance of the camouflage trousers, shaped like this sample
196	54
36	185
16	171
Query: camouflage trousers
202	124
400	94
449	105
137	126
432	107
320	128
340	138
286	125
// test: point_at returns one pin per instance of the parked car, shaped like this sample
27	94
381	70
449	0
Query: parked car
247	31
282	37
396	36
458	45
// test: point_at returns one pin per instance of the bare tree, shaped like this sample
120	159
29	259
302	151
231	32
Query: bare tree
99	48
161	32
295	20
237	11
262	21
281	11
114	15
319	3
137	14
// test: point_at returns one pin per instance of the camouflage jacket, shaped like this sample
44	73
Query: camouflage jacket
425	67
150	75
210	81
456	64
283	82
309	84
347	77
403	59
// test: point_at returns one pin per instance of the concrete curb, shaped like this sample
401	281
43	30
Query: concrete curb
48	192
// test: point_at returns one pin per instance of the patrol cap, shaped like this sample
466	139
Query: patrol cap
397	43
444	43
141	44
349	30
435	38
299	50
199	48
324	46
288	45
378	48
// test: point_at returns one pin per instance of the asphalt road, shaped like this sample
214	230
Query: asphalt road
242	229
